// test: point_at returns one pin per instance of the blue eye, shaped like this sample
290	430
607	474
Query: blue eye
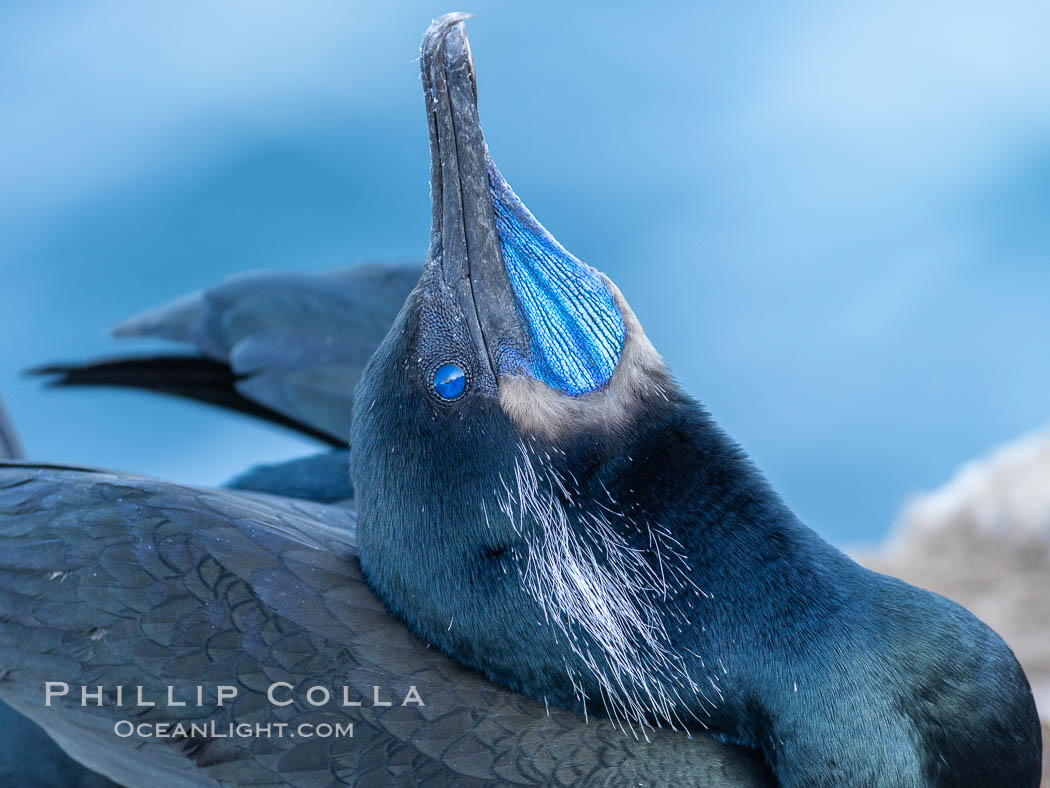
449	381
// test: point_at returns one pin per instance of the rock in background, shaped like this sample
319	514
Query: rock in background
983	540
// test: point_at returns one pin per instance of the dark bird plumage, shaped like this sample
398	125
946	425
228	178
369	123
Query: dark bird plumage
30	757
609	549
189	377
287	348
535	498
114	579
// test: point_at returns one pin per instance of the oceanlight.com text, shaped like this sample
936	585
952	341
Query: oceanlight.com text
243	730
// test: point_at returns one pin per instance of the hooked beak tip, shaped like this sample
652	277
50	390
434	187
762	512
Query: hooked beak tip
439	29
445	58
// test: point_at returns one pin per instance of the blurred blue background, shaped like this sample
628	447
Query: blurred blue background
831	218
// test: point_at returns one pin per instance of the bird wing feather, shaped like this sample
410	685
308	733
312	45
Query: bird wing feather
112	579
297	342
286	347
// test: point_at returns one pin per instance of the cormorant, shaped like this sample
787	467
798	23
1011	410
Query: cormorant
537	498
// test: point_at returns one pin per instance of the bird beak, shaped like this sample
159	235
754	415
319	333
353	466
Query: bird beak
464	240
533	310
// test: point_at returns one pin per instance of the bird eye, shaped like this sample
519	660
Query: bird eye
449	381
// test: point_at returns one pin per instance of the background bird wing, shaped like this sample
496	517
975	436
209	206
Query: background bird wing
110	580
10	448
285	347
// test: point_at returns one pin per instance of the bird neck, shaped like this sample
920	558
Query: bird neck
651	557
837	674
717	566
651	574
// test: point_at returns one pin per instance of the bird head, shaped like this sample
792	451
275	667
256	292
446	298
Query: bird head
508	313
